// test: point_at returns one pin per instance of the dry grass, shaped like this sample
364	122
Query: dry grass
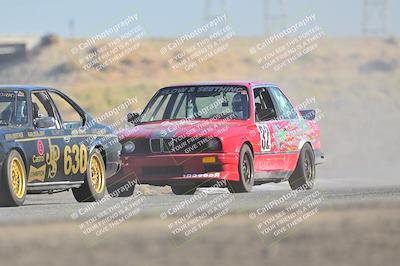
356	237
334	67
359	106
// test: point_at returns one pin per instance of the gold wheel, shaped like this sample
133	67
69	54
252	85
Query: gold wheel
18	182
97	175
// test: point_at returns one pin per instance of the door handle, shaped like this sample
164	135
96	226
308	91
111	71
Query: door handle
67	139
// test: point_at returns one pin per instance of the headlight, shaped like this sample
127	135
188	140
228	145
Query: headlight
214	144
129	147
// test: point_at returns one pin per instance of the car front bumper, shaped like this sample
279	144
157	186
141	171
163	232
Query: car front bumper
170	169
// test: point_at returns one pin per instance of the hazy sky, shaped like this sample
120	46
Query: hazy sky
173	17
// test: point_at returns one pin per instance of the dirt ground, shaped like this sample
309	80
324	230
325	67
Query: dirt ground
352	237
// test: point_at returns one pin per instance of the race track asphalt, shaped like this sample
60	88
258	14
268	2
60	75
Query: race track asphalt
336	194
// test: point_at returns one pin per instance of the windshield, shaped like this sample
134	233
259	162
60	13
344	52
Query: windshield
13	110
205	102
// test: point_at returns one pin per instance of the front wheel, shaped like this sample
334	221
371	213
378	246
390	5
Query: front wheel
13	181
303	176
94	186
183	190
246	172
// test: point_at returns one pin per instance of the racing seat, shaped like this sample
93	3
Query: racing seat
258	109
35	111
240	106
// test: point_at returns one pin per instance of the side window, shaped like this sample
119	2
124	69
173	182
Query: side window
13	108
69	115
264	107
21	114
42	107
286	109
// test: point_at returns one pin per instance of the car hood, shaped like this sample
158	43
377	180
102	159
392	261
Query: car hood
183	128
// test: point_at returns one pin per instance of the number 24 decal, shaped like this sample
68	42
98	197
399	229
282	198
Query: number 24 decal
75	159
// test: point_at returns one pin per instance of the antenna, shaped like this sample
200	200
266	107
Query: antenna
374	19
274	15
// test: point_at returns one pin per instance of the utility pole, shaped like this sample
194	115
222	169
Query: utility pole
274	15
374	19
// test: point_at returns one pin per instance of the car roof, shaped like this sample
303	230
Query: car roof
27	88
247	84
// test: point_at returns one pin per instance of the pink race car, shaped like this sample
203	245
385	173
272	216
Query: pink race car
240	133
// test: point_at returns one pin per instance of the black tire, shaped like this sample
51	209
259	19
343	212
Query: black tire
183	190
13	194
90	190
246	172
121	189
303	176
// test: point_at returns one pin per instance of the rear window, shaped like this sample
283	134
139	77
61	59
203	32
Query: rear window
13	108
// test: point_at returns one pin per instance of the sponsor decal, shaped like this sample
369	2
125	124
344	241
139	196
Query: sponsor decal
279	135
37	174
210	89
98	131
34	134
40	147
37	158
206	175
78	131
12	136
7	94
57	132
52	158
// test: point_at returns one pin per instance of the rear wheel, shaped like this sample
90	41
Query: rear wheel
13	181
94	186
183	190
246	172
303	176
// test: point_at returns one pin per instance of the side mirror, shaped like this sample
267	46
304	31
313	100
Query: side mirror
45	122
132	117
308	114
266	114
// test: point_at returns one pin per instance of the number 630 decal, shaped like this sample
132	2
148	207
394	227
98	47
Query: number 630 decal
75	159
